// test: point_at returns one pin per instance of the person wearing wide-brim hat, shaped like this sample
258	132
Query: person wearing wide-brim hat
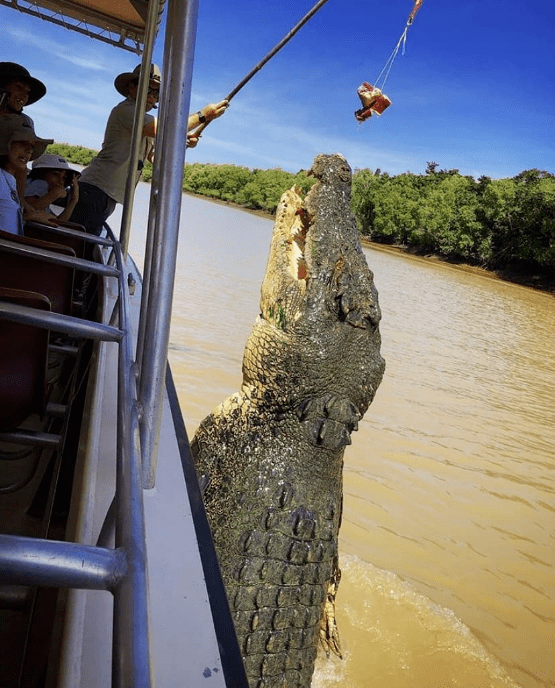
122	81
18	145
14	128
102	184
52	186
19	89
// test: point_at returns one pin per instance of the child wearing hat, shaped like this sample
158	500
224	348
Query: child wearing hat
51	179
18	145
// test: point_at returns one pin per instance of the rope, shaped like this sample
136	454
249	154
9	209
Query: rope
384	74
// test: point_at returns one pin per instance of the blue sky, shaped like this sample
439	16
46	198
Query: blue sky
473	91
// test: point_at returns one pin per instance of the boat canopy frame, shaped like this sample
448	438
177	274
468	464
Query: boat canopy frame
122	24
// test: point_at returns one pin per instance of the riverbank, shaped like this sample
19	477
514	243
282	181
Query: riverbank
536	278
543	280
231	204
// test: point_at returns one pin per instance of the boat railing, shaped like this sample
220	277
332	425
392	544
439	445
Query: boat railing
27	561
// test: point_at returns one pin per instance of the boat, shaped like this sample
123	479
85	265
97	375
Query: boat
108	574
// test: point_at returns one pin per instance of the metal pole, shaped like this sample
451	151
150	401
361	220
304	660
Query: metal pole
138	124
151	225
50	563
57	322
299	25
180	35
131	666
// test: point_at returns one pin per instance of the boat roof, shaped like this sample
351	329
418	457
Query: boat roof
118	22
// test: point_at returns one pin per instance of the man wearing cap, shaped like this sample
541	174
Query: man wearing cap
18	89
102	184
18	145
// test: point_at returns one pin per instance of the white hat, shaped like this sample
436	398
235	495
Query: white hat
19	128
122	81
51	161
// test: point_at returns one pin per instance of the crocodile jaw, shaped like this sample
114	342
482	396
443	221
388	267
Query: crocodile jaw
284	285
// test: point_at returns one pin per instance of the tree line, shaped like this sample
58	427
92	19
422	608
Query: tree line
493	223
489	222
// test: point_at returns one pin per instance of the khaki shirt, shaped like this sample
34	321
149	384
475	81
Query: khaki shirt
108	170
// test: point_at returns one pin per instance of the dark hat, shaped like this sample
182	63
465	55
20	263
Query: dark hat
122	81
10	71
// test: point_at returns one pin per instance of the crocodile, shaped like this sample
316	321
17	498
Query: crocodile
270	457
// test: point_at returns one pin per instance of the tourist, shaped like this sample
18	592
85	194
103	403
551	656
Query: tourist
102	184
18	145
18	89
51	179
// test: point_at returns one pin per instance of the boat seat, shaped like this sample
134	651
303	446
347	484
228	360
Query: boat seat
47	233
31	273
23	362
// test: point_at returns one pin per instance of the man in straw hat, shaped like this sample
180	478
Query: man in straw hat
18	145
102	184
18	89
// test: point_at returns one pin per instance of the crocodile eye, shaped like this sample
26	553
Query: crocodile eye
344	173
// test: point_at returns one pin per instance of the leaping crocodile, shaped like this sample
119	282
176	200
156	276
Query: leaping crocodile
270	457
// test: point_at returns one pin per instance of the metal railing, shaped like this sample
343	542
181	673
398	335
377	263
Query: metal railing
122	570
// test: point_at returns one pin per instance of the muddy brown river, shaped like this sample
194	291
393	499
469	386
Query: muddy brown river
448	536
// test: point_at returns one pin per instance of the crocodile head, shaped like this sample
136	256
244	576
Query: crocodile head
316	340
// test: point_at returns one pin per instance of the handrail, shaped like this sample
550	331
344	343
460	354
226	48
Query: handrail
58	322
131	664
123	570
33	561
65	230
58	258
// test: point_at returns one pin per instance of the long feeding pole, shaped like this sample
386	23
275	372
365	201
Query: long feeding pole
266	59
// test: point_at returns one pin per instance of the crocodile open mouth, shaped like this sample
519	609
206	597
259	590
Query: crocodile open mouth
296	244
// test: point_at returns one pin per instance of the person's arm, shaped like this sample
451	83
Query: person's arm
207	114
42	202
204	116
40	216
200	119
31	214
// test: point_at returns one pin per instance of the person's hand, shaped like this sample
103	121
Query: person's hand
192	140
57	191
215	110
74	189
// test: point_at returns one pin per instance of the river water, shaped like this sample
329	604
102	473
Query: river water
448	536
